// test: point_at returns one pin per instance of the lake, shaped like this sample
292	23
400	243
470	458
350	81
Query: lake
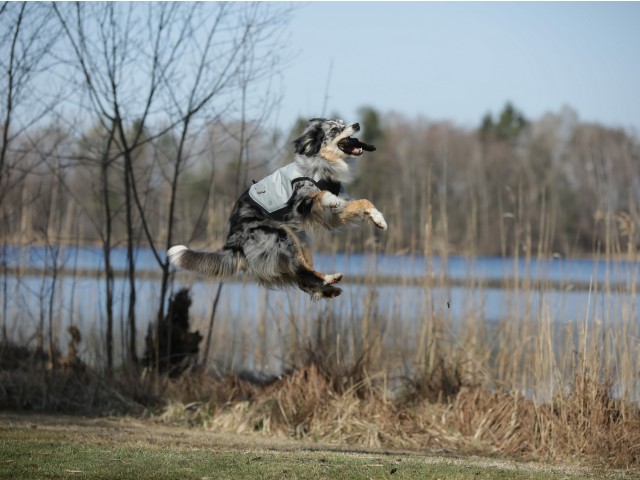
394	288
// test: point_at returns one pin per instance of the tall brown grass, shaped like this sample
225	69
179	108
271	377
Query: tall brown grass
533	385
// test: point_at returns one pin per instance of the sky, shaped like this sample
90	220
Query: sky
458	61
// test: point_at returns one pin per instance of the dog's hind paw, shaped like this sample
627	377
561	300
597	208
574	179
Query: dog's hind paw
327	291
331	292
377	218
332	279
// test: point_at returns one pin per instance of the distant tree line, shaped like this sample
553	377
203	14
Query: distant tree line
513	186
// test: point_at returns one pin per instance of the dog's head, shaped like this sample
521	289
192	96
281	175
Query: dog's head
331	140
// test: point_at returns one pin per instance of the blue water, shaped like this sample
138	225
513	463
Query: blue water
559	270
243	305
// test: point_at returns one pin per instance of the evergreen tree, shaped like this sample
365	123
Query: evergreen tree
508	127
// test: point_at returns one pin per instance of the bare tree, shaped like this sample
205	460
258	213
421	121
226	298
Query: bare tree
26	38
180	71
219	71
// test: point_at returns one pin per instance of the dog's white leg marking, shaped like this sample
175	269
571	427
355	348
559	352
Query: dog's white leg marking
332	279
175	254
377	218
332	201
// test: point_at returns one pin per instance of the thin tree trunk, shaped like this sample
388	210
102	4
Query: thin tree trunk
55	255
10	94
214	308
165	267
5	290
131	267
106	249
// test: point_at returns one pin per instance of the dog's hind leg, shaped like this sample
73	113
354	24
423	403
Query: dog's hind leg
276	256
305	246
316	284
304	273
303	261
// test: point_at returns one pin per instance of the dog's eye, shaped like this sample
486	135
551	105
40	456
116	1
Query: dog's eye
335	129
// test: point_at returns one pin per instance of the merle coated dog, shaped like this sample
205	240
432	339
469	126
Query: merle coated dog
267	230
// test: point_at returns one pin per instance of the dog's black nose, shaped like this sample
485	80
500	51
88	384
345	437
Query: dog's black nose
356	126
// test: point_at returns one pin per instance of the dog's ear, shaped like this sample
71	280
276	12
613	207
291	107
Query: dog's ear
310	141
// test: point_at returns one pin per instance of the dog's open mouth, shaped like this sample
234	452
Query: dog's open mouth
353	146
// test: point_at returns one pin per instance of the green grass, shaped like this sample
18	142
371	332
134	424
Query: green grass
51	459
64	447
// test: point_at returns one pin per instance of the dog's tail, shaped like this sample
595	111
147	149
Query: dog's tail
222	263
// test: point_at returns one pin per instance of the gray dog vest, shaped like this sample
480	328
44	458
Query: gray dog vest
273	193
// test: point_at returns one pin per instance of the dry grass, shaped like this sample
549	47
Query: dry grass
561	399
28	381
527	389
584	426
533	386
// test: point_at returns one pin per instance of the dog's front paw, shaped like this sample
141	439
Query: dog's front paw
332	201
376	217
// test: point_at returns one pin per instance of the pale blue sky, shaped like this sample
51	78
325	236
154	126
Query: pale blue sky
457	61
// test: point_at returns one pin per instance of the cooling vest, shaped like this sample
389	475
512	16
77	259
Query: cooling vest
273	193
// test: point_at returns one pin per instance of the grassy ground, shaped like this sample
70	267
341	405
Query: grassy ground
41	446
